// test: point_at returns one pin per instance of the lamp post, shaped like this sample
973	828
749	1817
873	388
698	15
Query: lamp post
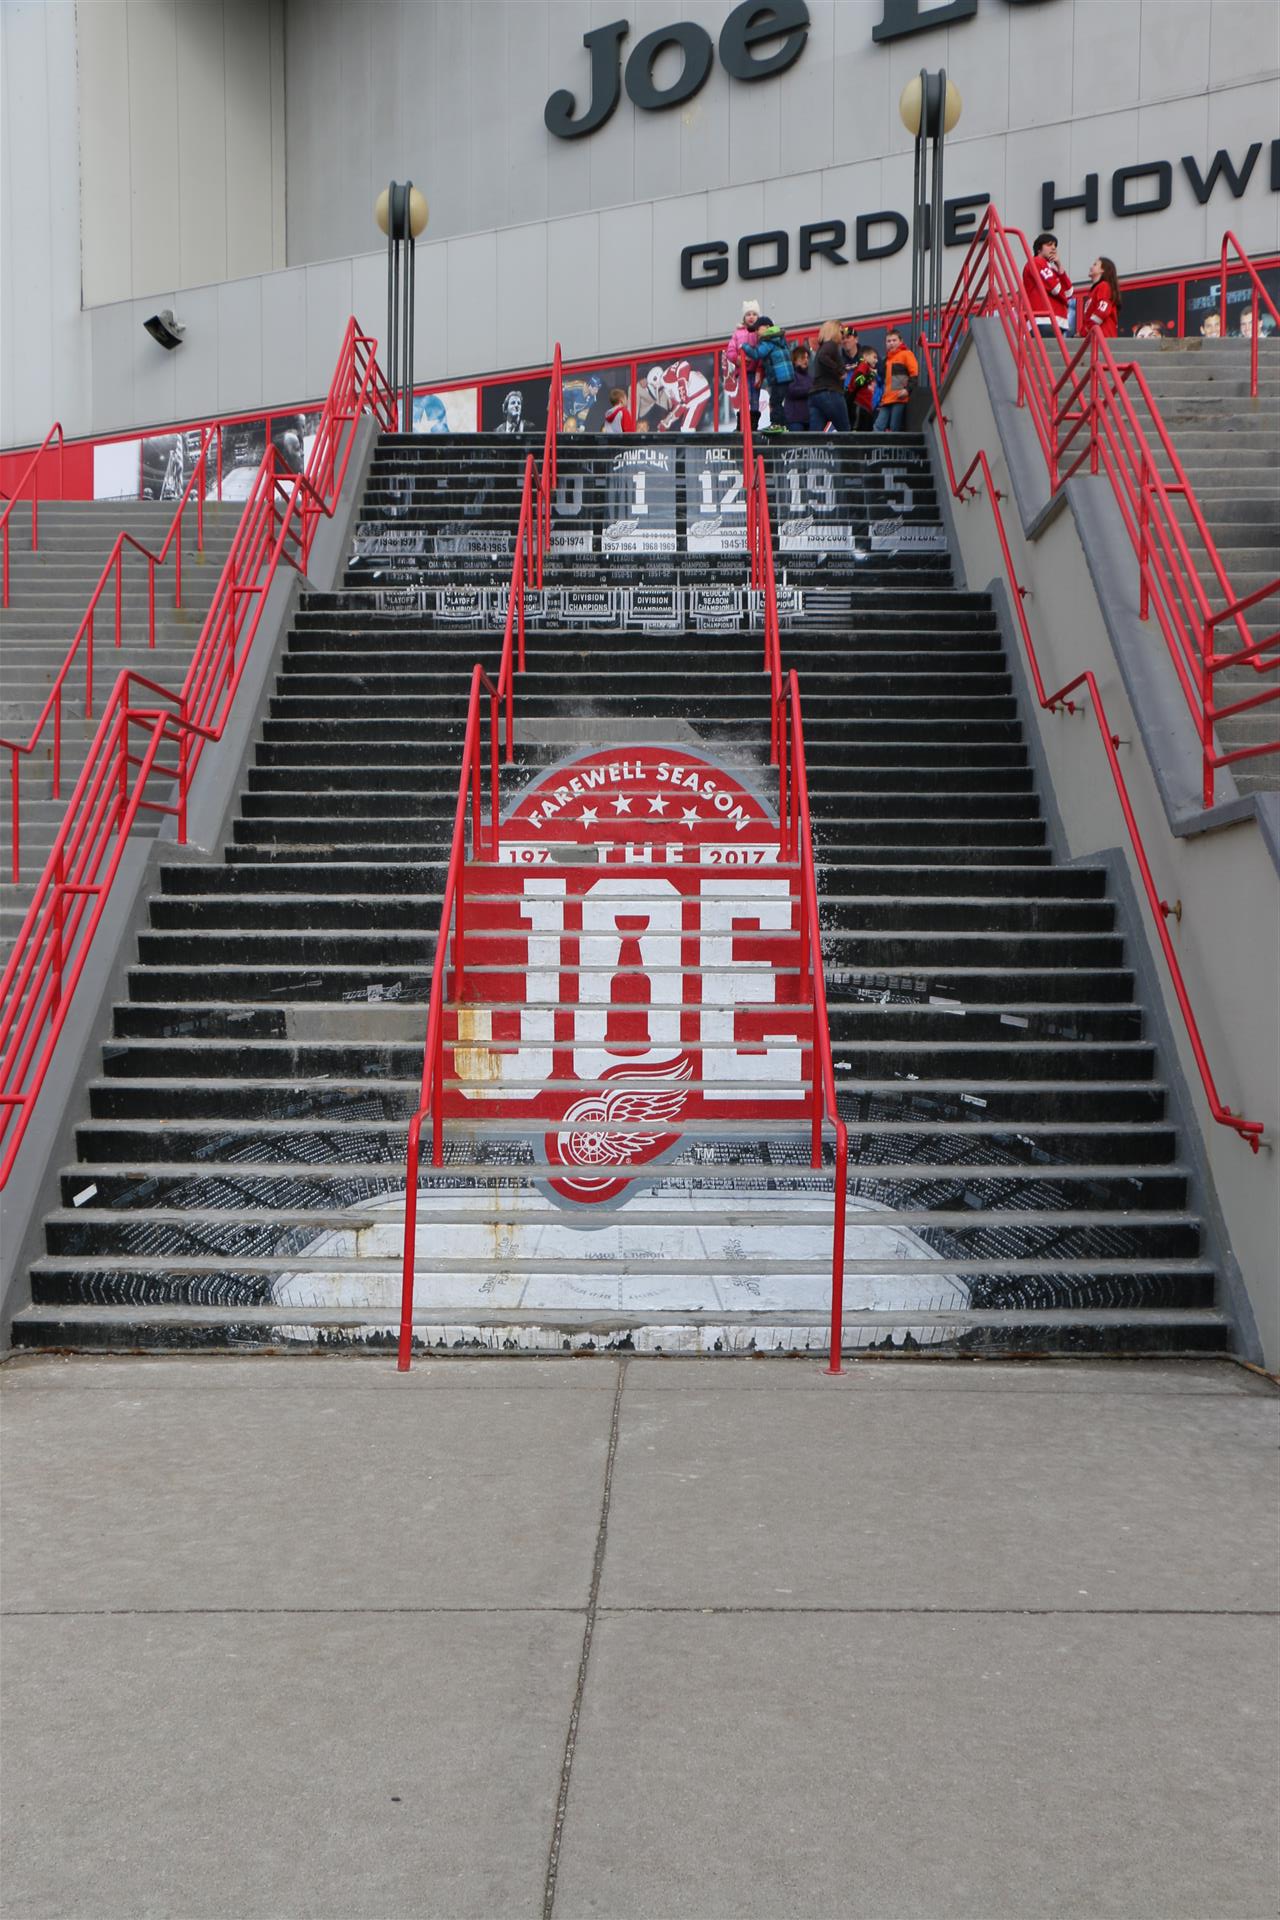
930	108
401	213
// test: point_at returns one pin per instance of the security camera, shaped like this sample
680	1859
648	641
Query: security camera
165	328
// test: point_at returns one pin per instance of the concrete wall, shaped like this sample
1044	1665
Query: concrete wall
1226	879
535	239
45	369
452	94
182	148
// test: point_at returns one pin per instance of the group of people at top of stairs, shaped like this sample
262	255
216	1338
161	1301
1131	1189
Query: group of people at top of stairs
837	386
1055	303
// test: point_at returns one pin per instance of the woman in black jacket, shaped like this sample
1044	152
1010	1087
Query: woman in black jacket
827	405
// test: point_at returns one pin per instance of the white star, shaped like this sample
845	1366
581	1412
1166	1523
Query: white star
622	804
691	817
589	816
657	803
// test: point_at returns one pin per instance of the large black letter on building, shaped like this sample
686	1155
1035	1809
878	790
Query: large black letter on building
715	254
694	43
781	244
753	22
1051	206
863	249
1163	172
602	43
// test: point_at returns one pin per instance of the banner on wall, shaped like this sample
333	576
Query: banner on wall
117	466
293	435
586	397
674	395
641	502
715	500
243	444
520	407
1203	311
453	411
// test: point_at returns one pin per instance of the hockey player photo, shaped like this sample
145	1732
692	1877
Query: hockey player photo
676	398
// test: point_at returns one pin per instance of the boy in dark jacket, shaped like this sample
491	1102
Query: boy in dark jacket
860	388
795	406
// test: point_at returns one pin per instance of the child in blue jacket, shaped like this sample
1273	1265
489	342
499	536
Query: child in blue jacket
774	357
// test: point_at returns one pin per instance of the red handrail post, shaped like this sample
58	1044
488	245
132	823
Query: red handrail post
410	1237
151	598
56	793
1144	545
1206	710
119	587
493	773
837	1248
60	905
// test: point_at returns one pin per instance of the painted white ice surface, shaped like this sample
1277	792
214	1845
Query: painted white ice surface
737	1255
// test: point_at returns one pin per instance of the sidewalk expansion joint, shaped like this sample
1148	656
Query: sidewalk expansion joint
584	1660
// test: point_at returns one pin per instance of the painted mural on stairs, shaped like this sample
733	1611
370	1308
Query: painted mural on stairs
634	1013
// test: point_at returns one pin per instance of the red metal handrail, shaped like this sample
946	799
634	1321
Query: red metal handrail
795	843
1081	413
277	523
964	489
550	440
30	471
1258	291
451	935
18	750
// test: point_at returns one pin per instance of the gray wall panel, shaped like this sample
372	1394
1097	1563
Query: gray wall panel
114	357
573	284
240	344
473	303
431	311
1173	63
626	297
157	392
520	311
1236	117
328	310
1244	40
284	319
1171	129
1105	59
195	364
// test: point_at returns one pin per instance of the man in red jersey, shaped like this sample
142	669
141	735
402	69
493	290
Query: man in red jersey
1046	284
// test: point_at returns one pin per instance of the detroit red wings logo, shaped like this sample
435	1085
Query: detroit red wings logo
632	970
616	1128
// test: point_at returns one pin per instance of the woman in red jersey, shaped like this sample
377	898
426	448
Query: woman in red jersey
1101	305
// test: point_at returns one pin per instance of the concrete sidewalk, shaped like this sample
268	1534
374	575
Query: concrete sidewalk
308	1640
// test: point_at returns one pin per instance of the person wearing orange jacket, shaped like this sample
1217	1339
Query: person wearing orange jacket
1101	305
1046	284
901	371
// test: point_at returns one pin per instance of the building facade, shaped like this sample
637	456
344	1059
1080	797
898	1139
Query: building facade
222	157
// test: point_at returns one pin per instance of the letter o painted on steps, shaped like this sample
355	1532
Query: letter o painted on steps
694	43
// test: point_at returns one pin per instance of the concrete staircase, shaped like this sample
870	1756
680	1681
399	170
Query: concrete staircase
1229	444
49	592
627	1149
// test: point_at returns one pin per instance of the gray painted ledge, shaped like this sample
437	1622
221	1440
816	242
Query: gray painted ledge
1160	711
